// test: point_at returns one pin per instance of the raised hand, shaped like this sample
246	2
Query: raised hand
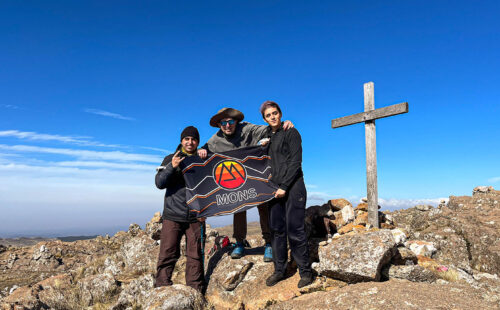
176	160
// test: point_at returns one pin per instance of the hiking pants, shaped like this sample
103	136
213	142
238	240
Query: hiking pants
170	245
287	220
240	224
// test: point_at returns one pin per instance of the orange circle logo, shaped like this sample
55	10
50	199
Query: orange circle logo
230	174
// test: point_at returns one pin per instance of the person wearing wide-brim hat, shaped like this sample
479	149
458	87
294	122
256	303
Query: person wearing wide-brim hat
226	113
234	133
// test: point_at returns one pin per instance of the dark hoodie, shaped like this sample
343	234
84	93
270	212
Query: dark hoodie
171	179
285	149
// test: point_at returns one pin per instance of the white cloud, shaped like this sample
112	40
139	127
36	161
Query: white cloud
105	164
34	136
318	198
85	154
109	114
494	180
156	149
9	106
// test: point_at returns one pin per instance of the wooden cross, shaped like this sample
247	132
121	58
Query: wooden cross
369	117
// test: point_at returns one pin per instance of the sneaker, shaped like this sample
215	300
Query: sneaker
239	251
268	253
274	278
305	280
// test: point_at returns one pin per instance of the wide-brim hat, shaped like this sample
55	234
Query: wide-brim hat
226	113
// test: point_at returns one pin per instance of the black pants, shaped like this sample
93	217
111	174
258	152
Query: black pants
287	219
170	245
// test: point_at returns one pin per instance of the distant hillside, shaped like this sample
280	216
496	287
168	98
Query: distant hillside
25	241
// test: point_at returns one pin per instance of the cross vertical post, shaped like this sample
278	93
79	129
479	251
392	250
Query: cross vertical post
368	117
371	157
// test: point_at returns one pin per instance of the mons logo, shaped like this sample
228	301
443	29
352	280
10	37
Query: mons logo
230	174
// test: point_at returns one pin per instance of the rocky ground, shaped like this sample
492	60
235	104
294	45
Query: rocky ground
421	258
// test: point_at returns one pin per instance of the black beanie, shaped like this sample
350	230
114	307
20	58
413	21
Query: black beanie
190	131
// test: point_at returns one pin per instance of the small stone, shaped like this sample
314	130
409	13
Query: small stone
347	213
481	189
134	229
420	247
345	229
338	204
12	289
399	236
363	206
362	218
414	273
423	207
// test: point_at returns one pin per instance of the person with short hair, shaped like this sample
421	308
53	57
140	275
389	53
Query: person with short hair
177	220
233	134
287	210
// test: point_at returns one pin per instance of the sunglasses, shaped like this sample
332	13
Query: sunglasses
230	122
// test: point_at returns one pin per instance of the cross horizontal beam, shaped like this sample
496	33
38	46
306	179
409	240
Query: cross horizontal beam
391	110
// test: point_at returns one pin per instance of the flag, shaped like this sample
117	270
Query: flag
228	182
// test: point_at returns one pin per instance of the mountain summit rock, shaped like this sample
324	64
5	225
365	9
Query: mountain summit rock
445	257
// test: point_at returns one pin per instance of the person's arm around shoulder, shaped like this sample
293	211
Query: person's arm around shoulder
203	151
256	131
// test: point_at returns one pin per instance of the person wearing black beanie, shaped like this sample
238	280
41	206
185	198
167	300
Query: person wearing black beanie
177	221
190	131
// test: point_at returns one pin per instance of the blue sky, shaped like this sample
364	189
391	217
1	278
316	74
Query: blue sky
93	94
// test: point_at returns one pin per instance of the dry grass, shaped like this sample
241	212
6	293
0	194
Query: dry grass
253	228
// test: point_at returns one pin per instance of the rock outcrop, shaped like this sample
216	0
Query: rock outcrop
465	233
423	257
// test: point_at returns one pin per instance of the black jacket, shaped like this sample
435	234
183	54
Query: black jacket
171	179
285	149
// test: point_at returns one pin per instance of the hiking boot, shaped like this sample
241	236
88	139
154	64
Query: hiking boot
305	280
268	253
274	278
239	251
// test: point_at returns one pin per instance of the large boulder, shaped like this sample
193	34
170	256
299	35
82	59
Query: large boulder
175	297
97	289
139	254
393	294
153	227
357	257
241	284
57	291
134	292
